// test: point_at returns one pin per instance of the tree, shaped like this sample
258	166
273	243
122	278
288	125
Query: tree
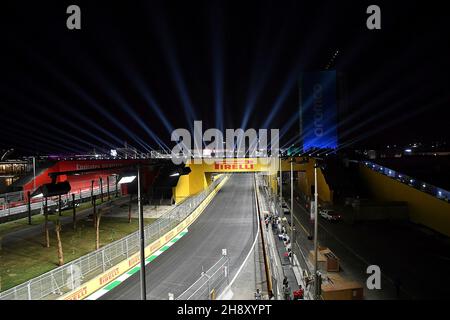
129	208
46	232
94	207
74	212
59	243
98	216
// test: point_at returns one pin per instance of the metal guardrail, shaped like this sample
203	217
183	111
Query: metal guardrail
15	203
272	203
277	273
210	284
72	275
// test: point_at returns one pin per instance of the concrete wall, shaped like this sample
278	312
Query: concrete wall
423	208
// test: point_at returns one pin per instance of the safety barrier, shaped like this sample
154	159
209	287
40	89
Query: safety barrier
83	276
298	259
276	273
14	203
210	284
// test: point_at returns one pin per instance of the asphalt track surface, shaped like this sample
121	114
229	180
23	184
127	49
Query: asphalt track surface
228	222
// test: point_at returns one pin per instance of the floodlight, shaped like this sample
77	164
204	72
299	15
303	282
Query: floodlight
127	179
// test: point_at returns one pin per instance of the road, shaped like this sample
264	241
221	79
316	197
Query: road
405	254
228	222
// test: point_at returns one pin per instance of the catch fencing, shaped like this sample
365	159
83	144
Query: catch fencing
72	275
211	283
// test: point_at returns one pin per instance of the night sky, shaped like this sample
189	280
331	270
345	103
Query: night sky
138	69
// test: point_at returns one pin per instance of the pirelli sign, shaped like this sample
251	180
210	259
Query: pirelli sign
235	165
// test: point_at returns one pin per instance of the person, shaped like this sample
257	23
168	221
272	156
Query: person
258	295
309	281
288	245
287	292
299	293
285	281
288	253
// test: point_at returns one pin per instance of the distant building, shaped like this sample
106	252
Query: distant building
11	171
319	97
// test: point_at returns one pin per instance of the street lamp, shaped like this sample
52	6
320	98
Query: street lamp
292	209
128	178
316	196
315	233
281	185
34	173
141	235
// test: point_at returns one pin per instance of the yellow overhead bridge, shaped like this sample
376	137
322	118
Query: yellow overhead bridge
202	171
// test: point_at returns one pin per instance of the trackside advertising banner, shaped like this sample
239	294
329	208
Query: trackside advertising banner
318	110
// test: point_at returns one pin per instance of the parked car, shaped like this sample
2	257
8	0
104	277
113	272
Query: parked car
330	215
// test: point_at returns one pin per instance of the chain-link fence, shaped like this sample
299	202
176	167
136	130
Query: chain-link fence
73	274
211	283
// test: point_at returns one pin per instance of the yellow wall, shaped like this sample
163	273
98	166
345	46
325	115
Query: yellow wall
306	181
423	208
191	184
